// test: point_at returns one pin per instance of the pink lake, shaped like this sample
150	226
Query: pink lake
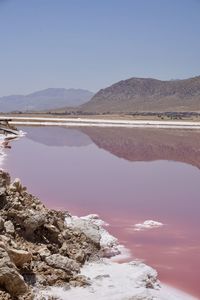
126	176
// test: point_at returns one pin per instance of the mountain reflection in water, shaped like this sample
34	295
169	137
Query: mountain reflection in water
133	144
149	144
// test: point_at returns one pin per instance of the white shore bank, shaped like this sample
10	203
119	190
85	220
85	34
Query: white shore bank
2	153
2	156
109	280
114	281
79	122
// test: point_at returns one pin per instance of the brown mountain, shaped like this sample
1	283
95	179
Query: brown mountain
146	94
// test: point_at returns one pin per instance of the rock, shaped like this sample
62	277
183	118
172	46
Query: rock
44	270
9	227
64	249
80	280
4	239
90	230
80	256
19	257
3	201
44	252
1	223
41	280
61	262
4	179
51	279
52	233
30	220
2	191
16	204
33	221
10	279
16	186
5	295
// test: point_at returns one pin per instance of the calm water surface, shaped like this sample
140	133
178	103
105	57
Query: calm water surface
126	176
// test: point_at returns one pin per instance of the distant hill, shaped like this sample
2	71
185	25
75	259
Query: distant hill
51	98
146	94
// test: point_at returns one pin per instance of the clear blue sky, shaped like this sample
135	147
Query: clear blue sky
94	43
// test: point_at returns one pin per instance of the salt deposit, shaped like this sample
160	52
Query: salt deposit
109	244
148	224
2	154
114	281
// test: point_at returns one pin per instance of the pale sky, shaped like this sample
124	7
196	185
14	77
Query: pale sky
93	43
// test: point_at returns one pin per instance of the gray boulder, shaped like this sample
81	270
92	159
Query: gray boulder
90	230
33	221
1	223
9	227
10	279
62	262
19	257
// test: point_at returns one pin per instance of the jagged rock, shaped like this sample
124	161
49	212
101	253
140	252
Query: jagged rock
30	220
4	179
80	280
9	227
61	262
5	295
80	256
3	201
33	221
44	252
2	191
16	186
19	257
37	248
90	230
52	233
4	239
10	279
1	223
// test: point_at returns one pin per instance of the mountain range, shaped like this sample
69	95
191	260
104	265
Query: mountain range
47	99
126	96
146	94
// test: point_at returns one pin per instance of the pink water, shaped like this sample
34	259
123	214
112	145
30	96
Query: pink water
125	180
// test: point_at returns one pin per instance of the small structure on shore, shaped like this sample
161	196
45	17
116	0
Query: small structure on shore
6	128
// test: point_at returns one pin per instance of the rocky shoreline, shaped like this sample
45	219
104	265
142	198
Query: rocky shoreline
40	248
37	249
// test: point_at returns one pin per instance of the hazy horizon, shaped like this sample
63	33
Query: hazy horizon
93	44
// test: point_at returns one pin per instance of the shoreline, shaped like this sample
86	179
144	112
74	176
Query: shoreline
79	122
140	278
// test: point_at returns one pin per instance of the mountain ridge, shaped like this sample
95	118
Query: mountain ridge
146	94
50	98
